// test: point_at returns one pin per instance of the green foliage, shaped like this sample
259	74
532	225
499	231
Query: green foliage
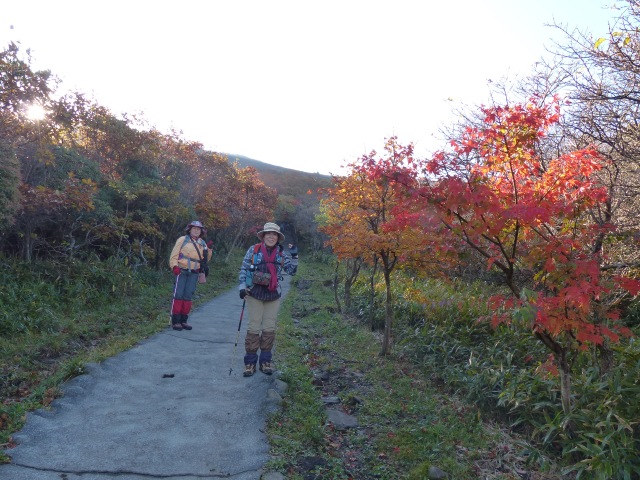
296	430
505	372
72	368
602	431
9	183
37	296
632	314
69	161
406	425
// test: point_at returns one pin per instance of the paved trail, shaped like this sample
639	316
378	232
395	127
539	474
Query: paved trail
167	409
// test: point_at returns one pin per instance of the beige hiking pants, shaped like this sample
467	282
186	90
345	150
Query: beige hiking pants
262	315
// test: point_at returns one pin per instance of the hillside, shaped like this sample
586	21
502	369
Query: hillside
286	181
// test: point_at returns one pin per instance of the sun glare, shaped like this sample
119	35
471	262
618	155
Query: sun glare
36	112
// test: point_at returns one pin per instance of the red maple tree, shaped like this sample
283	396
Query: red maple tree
529	218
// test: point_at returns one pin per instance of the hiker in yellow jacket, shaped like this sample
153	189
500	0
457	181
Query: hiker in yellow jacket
189	263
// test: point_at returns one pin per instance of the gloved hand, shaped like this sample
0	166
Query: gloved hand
176	270
210	244
243	293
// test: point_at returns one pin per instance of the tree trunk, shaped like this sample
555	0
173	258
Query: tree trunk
347	295
564	367
353	269
373	294
565	382
27	244
388	315
605	358
234	243
336	283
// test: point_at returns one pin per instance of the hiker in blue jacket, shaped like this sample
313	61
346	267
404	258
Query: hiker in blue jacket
260	274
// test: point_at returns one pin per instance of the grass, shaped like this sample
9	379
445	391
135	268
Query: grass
34	363
406	425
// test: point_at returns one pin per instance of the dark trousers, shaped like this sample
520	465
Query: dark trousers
187	282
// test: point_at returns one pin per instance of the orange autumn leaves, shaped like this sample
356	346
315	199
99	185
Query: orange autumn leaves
492	193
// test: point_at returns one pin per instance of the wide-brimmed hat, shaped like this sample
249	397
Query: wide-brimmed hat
196	223
271	227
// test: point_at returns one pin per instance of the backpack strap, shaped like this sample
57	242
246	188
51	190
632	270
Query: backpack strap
256	249
195	245
187	239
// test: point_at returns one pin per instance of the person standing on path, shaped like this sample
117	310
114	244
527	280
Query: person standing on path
188	261
260	274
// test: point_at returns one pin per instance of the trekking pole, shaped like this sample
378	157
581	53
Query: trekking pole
173	299
237	336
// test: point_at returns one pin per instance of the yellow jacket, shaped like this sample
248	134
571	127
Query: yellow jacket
185	255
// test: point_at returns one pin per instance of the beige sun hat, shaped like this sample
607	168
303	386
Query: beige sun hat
271	227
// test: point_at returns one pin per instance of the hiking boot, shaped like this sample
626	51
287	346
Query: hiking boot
249	370
266	368
177	326
186	326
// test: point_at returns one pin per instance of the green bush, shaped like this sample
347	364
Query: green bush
37	296
632	314
501	370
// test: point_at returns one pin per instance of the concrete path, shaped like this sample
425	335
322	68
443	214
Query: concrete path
166	409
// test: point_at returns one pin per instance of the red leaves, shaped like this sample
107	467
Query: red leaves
371	211
521	212
631	285
492	192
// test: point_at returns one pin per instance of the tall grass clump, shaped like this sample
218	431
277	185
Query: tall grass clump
439	325
37	297
602	432
443	326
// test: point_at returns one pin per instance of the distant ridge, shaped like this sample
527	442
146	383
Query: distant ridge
286	181
266	167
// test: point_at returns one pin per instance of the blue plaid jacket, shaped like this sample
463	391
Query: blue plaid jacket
284	264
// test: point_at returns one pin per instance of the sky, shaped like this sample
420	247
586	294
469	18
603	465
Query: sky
305	85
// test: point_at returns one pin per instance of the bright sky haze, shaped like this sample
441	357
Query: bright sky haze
304	85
